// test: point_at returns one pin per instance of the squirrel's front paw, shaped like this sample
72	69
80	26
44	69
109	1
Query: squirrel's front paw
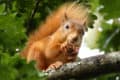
55	65
69	49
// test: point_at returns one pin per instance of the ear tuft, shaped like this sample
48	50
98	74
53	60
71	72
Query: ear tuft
66	17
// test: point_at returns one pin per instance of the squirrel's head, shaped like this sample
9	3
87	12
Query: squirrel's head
74	20
72	31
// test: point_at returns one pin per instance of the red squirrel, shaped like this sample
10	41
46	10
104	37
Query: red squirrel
58	39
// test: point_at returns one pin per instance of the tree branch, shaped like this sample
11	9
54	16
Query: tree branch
88	67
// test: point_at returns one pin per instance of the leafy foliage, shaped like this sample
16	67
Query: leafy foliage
20	17
110	8
107	25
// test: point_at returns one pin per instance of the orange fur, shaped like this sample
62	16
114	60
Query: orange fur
39	41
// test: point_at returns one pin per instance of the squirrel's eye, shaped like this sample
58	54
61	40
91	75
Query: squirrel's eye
66	26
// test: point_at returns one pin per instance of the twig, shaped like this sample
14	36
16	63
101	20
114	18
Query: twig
30	21
111	37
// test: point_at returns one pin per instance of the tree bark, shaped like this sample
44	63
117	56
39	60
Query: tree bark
88	67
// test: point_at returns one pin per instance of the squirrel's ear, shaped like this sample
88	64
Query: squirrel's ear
65	17
84	27
84	24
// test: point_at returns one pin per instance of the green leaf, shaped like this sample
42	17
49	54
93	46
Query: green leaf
7	73
94	5
12	31
111	9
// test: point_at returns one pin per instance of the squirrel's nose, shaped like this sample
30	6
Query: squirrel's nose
75	39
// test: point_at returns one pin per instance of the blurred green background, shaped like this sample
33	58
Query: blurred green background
18	18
